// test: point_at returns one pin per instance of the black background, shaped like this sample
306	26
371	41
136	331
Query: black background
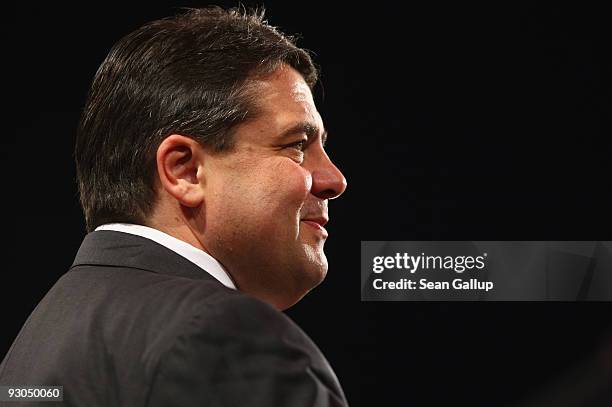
450	123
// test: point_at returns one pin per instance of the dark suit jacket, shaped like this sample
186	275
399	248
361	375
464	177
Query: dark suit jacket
135	324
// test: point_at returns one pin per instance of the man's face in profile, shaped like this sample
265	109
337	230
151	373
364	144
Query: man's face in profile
266	200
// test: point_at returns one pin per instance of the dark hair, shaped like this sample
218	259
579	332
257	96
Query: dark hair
188	74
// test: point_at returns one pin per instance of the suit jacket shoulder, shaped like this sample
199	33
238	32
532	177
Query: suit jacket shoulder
259	356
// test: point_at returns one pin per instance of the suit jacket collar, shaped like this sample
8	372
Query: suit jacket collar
117	249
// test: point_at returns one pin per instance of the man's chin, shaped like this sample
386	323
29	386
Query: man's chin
316	260
315	273
307	282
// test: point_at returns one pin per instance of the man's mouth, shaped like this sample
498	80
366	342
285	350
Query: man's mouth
317	223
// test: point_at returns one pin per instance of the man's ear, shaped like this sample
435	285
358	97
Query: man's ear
179	162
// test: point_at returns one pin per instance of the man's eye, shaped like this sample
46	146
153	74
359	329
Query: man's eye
298	145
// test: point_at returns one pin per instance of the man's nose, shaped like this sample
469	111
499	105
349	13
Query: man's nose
327	180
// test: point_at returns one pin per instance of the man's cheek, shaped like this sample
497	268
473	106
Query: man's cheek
307	177
291	183
299	183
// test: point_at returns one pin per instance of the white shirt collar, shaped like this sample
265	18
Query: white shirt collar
199	257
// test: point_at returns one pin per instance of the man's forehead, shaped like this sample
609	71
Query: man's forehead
284	80
285	106
286	94
301	92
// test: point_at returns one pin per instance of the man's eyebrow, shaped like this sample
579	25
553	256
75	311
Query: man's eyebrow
311	130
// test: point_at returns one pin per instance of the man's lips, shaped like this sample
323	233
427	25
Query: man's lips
317	223
319	220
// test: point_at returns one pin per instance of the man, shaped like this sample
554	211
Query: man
204	182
